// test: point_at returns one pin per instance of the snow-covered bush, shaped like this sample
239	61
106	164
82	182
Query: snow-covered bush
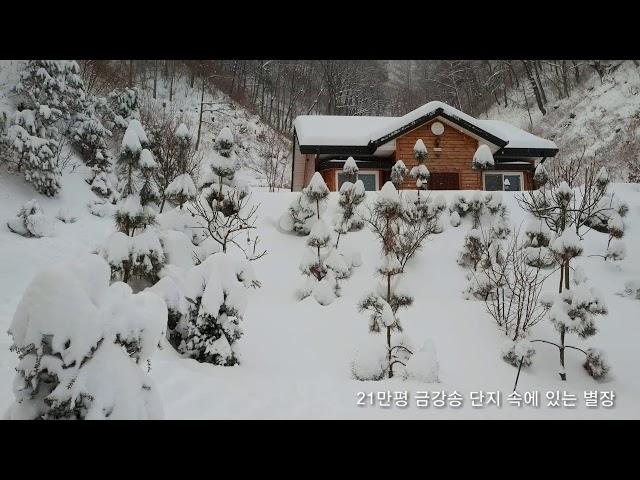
31	221
83	346
369	363
540	176
483	158
120	107
65	216
632	289
596	364
420	172
351	169
348	216
181	190
616	250
477	204
316	192
454	219
472	250
216	291
398	172
536	244
423	364
299	217
513	352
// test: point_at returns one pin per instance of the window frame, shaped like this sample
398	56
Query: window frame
376	173
503	173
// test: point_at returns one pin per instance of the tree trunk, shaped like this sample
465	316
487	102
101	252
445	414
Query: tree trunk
562	373
200	120
534	87
542	92
155	78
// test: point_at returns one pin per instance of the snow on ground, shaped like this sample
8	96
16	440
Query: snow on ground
295	356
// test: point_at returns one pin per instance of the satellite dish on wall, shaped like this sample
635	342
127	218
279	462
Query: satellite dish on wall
437	128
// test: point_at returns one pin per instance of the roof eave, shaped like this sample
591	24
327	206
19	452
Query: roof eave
526	152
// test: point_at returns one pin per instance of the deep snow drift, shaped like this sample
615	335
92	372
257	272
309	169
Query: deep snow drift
295	356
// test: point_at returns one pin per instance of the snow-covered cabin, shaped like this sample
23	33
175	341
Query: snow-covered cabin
323	143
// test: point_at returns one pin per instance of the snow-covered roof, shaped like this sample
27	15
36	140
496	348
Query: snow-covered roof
329	130
338	130
517	137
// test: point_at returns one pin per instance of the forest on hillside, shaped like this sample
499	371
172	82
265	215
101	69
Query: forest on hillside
279	90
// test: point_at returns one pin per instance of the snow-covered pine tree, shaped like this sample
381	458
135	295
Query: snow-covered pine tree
566	213
350	169
420	172
223	209
216	291
384	304
616	249
181	190
133	252
483	158
120	107
541	176
69	330
348	217
398	172
316	192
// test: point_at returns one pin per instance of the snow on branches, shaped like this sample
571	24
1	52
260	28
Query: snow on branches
83	344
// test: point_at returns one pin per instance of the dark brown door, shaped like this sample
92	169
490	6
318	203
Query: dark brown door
444	181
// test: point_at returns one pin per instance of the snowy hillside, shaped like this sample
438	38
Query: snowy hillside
296	355
118	305
603	118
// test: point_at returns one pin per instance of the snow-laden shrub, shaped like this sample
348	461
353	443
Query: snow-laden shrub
483	158
632	289
607	207
454	219
104	185
398	172
299	217
513	352
540	176
616	250
170	291
66	216
369	363
101	208
596	364
477	204
31	221
348	217
83	345
471	250
181	189
537	238
351	169
216	291
423	364
140	257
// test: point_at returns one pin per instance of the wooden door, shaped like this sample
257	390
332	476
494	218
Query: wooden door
444	181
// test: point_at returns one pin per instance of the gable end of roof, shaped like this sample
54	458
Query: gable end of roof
439	112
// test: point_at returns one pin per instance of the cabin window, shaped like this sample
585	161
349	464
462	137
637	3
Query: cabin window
503	181
369	179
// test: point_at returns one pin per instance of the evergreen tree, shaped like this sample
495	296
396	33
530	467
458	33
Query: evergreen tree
384	305
420	172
